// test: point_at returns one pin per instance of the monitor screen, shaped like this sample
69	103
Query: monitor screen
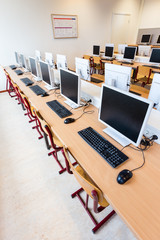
83	68
96	50
129	53
158	40
45	72
109	51
145	38
70	85
33	66
118	76
61	61
155	55
124	113
22	61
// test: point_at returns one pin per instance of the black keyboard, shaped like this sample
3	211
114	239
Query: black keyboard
37	90
59	109
152	66
124	62
13	67
27	81
108	151
18	72
95	80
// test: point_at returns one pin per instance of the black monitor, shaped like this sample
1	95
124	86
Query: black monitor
125	114
33	66
146	38
96	50
158	40
129	53
155	56
70	87
22	61
109	51
45	72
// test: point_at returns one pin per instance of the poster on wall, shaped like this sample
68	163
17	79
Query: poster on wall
64	26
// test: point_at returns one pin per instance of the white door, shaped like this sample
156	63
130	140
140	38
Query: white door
120	29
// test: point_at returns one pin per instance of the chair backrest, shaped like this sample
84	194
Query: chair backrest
86	182
86	57
96	59
143	70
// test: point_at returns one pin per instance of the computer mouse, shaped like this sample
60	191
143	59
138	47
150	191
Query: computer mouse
69	120
44	94
124	176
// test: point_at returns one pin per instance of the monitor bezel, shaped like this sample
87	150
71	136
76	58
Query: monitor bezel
150	106
150	35
79	87
129	59
50	84
151	55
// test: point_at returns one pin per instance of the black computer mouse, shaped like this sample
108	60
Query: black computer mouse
69	120
124	176
44	94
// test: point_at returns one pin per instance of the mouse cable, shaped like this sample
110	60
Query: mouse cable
144	160
87	112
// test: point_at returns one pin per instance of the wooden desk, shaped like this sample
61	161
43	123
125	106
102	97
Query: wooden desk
137	201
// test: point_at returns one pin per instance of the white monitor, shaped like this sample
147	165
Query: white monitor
96	50
118	76
49	59
34	70
46	75
154	93
146	38
129	54
155	56
24	63
17	58
61	61
38	55
83	68
70	85
144	50
109	50
125	115
121	48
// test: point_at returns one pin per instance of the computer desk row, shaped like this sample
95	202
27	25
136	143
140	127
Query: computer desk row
137	201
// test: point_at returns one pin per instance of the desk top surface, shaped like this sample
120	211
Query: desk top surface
137	201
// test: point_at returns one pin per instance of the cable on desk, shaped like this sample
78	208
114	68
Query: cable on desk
85	112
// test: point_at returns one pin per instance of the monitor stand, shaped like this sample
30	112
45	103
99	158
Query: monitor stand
118	138
71	104
38	79
49	87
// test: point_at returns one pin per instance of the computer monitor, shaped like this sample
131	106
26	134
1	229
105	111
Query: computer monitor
158	39
83	68
154	93
70	87
61	61
144	50
109	49
33	68
125	115
17	58
129	53
22	61
38	55
146	38
96	50
121	48
49	59
46	75
118	76
155	56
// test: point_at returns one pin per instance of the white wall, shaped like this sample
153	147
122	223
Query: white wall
150	14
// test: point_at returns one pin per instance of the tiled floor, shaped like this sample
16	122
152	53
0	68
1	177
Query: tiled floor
35	202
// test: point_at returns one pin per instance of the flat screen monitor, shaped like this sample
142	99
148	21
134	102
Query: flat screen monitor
109	51
49	59
121	48
17	58
38	55
146	38
154	93
129	53
33	68
158	39
83	68
118	76
144	50
155	56
61	61
45	72
70	87
22	61
96	50
125	115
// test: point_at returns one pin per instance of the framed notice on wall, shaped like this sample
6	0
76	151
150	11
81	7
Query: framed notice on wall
64	26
